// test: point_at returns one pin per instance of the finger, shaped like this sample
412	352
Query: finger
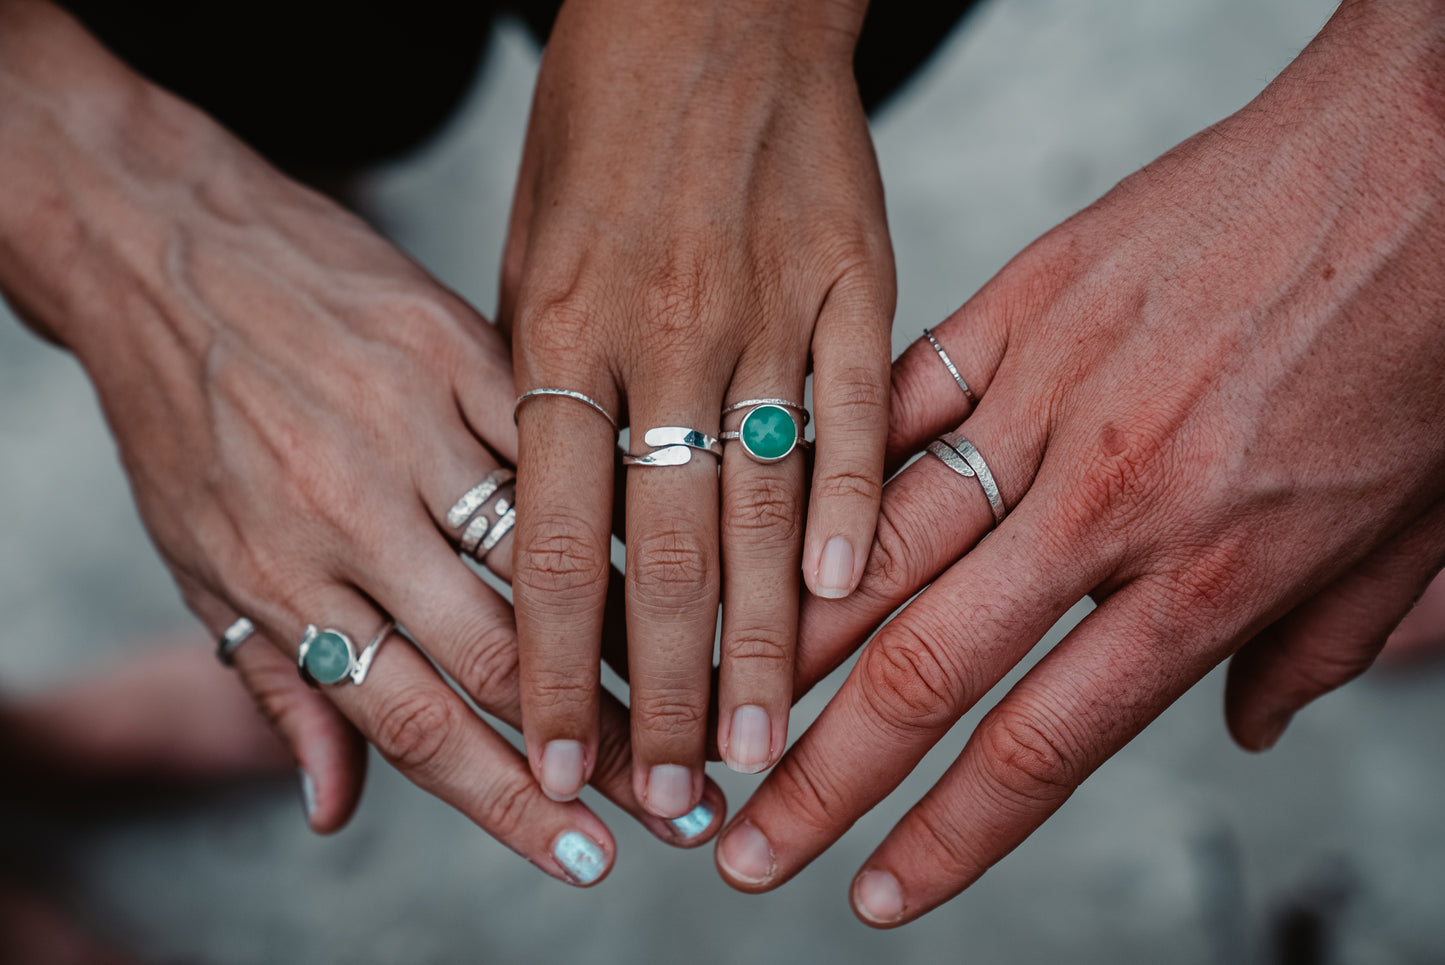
851	348
561	559
928	518
762	535
427	732
672	604
911	684
469	632
1114	673
1332	638
329	751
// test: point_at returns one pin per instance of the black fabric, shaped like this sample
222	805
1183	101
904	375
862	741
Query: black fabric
322	88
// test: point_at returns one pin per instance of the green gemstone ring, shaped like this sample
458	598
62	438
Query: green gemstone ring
768	432
328	656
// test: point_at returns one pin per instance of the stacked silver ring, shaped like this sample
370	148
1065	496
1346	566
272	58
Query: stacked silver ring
484	514
769	432
952	369
960	455
673	446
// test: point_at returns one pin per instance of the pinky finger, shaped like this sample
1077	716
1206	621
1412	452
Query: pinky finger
1331	638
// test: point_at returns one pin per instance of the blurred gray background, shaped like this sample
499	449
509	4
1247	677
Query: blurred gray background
1182	849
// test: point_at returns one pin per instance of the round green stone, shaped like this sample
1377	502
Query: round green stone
769	432
328	659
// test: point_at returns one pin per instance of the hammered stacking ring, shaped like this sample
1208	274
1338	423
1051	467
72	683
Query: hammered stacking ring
673	446
952	369
328	656
485	513
235	635
768	432
962	457
566	394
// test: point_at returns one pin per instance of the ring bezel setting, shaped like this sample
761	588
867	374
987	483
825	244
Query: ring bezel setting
329	656
769	433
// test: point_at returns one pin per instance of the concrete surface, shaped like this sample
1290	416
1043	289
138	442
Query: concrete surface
1182	849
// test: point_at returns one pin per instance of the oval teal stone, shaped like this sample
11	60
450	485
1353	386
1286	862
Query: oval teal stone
328	659
769	432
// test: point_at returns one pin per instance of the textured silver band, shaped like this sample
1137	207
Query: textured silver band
952	369
473	499
673	446
565	393
235	635
368	653
754	403
963	457
478	536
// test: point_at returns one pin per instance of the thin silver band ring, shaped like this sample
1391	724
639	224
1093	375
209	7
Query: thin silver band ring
952	369
754	403
565	393
235	635
963	457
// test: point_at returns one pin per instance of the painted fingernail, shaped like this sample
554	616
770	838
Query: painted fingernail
749	740
562	777
1274	726
877	897
746	855
308	793
669	790
694	822
835	570
582	858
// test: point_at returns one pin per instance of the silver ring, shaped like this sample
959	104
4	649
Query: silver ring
466	507
769	433
673	446
490	524
235	635
962	457
952	369
328	656
754	403
565	393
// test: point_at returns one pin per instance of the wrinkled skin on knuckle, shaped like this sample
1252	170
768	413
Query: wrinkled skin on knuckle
894	568
677	298
912	683
672	566
759	644
843	485
553	693
508	806
555	561
766	511
488	668
415	728
811	797
950	846
555	325
1026	761
667	710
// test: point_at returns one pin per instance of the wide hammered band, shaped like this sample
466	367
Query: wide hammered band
328	656
566	394
952	369
960	455
484	514
673	446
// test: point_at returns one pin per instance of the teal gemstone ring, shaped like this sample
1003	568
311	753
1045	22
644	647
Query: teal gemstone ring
328	656
768	432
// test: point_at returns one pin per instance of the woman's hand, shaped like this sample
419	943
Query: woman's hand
698	213
297	405
1215	401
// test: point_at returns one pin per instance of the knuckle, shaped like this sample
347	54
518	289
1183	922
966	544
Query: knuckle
764	508
676	297
415	728
910	681
507	806
669	711
1122	469
762	645
947	839
856	393
842	484
671	563
812	799
893	564
488	666
554	325
555	694
555	559
1026	760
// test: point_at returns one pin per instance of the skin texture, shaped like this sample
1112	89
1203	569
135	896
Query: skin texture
698	216
297	405
1213	401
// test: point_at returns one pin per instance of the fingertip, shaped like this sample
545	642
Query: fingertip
835	569
582	859
563	770
877	899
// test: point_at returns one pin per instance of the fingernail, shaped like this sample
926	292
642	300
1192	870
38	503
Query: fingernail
694	822
562	777
746	854
308	793
1274	726
669	790
581	857
835	570
750	740
877	897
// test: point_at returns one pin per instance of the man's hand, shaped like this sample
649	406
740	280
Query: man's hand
1215	401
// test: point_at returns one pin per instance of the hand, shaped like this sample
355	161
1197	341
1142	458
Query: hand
1213	401
698	210
297	406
